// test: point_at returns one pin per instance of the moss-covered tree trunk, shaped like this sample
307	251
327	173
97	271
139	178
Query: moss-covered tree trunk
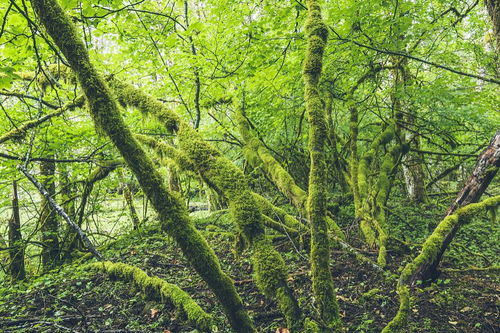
224	177
49	226
429	251
324	293
106	115
16	246
258	155
486	168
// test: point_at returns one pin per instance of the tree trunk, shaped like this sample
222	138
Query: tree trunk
48	219
16	246
486	168
224	177
493	7
106	115
322	281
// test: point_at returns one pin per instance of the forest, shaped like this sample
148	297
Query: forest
249	166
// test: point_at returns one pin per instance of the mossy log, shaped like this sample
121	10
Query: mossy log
429	252
171	210
157	288
322	281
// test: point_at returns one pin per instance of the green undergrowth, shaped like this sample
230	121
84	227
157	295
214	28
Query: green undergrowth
85	300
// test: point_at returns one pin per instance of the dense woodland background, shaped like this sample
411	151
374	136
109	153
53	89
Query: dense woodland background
249	166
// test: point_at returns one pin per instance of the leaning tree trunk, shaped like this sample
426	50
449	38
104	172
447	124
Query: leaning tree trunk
16	247
429	250
224	177
486	168
322	281
106	115
48	219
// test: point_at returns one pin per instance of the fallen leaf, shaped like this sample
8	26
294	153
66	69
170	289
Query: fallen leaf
466	309
154	313
282	330
453	322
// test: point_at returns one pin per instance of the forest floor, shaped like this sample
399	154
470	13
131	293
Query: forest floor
77	299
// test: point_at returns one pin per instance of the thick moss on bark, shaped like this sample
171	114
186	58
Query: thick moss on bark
276	213
20	131
429	251
221	175
173	214
167	151
258	155
373	192
324	293
228	179
159	289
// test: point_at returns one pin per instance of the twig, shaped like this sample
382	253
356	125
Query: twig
61	212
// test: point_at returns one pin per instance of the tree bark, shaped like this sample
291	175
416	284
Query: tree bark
485	170
322	281
106	115
129	201
218	172
493	7
16	246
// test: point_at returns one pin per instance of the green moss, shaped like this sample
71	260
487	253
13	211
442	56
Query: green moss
155	287
20	131
324	293
167	151
429	252
170	207
368	231
127	94
259	156
277	213
271	276
216	170
398	323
